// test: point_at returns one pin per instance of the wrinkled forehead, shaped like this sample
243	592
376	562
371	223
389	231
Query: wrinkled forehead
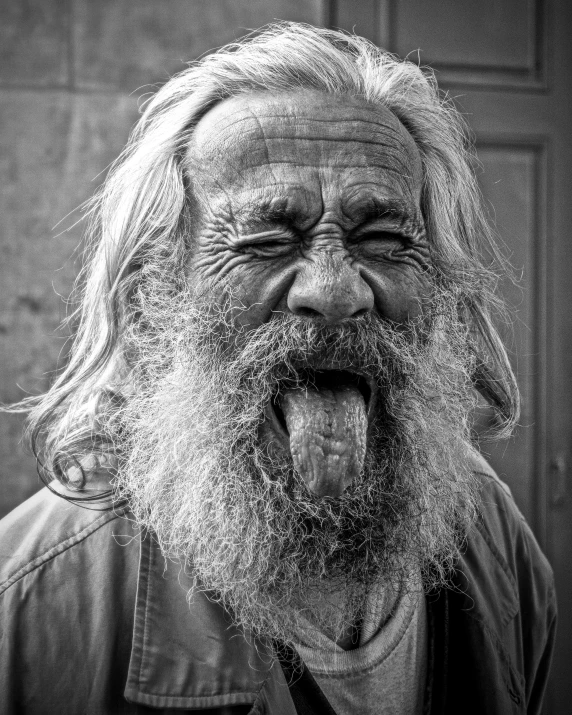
276	135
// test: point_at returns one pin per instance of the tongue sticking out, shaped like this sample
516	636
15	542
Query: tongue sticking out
327	436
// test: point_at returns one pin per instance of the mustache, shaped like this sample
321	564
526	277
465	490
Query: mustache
286	346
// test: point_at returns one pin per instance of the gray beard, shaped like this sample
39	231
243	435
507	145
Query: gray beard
255	538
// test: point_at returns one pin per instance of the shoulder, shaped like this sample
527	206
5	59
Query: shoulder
500	523
503	573
68	581
47	528
503	533
502	600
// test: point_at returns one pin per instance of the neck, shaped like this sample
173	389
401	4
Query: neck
331	616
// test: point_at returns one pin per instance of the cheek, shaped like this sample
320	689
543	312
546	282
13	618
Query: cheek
252	289
262	291
400	293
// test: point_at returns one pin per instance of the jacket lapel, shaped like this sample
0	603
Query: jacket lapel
469	668
187	654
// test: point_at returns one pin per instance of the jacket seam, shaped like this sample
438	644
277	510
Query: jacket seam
497	555
144	635
493	477
516	674
257	706
217	700
485	533
56	550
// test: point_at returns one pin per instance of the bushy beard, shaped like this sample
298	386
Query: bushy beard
199	475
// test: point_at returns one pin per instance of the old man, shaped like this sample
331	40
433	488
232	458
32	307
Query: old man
262	491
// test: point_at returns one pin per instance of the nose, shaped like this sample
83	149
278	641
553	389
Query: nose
330	288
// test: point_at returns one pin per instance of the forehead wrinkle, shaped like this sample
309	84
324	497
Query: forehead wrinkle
299	195
399	133
198	159
394	130
272	104
301	120
389	182
387	139
246	148
240	168
264	139
204	136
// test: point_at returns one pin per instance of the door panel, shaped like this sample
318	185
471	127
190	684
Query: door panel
488	42
510	179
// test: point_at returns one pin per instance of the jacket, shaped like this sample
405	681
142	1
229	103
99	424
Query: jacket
94	620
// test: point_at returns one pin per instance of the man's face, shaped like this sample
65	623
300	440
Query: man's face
299	408
309	205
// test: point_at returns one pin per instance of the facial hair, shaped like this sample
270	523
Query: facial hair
216	495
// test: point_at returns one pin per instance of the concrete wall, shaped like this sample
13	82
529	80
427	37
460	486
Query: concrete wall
71	74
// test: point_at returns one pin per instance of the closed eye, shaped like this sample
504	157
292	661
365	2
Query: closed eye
267	245
378	235
379	244
386	238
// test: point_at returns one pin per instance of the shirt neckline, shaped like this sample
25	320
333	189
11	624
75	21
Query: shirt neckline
336	661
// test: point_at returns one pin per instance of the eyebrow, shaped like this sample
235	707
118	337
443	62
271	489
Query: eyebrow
281	211
275	210
374	208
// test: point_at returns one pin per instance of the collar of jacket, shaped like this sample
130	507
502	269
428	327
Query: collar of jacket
187	654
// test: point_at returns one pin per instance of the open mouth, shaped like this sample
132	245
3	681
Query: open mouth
322	417
324	379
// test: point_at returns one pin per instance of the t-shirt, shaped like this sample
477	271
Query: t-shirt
386	674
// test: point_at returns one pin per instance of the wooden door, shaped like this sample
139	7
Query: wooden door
507	64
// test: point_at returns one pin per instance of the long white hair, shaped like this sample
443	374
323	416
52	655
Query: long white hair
140	219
